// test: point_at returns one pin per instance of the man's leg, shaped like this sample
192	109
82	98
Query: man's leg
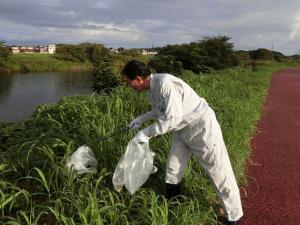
211	152
177	162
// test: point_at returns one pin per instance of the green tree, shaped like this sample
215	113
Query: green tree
108	75
261	54
131	52
204	55
4	54
75	53
218	52
278	56
96	54
243	55
166	64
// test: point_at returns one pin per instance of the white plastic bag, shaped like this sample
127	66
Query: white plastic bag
134	167
82	160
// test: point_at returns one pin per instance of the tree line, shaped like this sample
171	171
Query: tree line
208	54
4	55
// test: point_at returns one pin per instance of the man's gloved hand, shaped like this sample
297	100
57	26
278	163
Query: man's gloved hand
141	137
135	124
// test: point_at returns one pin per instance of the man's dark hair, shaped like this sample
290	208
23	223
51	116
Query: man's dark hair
136	68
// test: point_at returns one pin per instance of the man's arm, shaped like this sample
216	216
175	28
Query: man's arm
171	108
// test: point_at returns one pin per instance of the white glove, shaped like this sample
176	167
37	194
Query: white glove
141	137
135	124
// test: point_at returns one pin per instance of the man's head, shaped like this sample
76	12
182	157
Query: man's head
137	75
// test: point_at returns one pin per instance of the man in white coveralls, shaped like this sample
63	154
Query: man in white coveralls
177	107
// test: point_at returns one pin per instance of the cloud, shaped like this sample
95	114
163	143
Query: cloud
295	27
135	23
84	32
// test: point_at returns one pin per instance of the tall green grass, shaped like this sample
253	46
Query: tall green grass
36	188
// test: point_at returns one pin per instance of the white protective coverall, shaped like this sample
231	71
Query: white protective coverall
177	107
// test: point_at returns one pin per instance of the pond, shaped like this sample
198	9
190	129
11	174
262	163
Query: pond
21	93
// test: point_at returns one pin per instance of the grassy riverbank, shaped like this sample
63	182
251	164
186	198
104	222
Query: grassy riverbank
37	62
36	188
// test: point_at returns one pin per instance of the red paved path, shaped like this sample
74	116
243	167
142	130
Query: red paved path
273	194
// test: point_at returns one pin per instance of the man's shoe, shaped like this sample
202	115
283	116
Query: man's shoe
172	190
232	223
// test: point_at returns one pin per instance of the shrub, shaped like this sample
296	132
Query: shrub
95	53
278	56
4	54
108	75
202	56
73	53
130	52
166	64
219	53
261	54
243	55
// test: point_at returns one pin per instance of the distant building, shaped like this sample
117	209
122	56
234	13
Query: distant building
113	50
23	49
29	49
15	49
145	52
50	49
41	49
152	52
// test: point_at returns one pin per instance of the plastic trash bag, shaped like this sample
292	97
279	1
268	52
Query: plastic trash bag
82	160
134	167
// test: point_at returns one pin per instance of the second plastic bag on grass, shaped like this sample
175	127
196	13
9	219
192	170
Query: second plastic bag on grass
134	167
82	160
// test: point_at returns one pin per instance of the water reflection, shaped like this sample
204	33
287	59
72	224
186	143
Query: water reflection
21	93
6	82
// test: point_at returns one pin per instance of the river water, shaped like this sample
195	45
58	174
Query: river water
21	93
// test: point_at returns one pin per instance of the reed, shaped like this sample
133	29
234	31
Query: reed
36	188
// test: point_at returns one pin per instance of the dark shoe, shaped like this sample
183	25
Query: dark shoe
172	190
232	223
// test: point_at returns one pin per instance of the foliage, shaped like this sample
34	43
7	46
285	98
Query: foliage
4	54
130	52
73	53
202	56
67	58
165	64
37	62
278	56
243	55
266	54
219	53
261	54
186	54
36	188
108	74
95	53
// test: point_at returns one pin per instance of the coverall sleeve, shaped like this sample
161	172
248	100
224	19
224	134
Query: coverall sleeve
147	116
171	109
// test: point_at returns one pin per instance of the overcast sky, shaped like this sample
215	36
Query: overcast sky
251	24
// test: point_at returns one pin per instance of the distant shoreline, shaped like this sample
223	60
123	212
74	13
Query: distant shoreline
37	62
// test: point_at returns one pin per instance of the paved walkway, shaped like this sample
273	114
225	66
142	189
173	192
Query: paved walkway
273	194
